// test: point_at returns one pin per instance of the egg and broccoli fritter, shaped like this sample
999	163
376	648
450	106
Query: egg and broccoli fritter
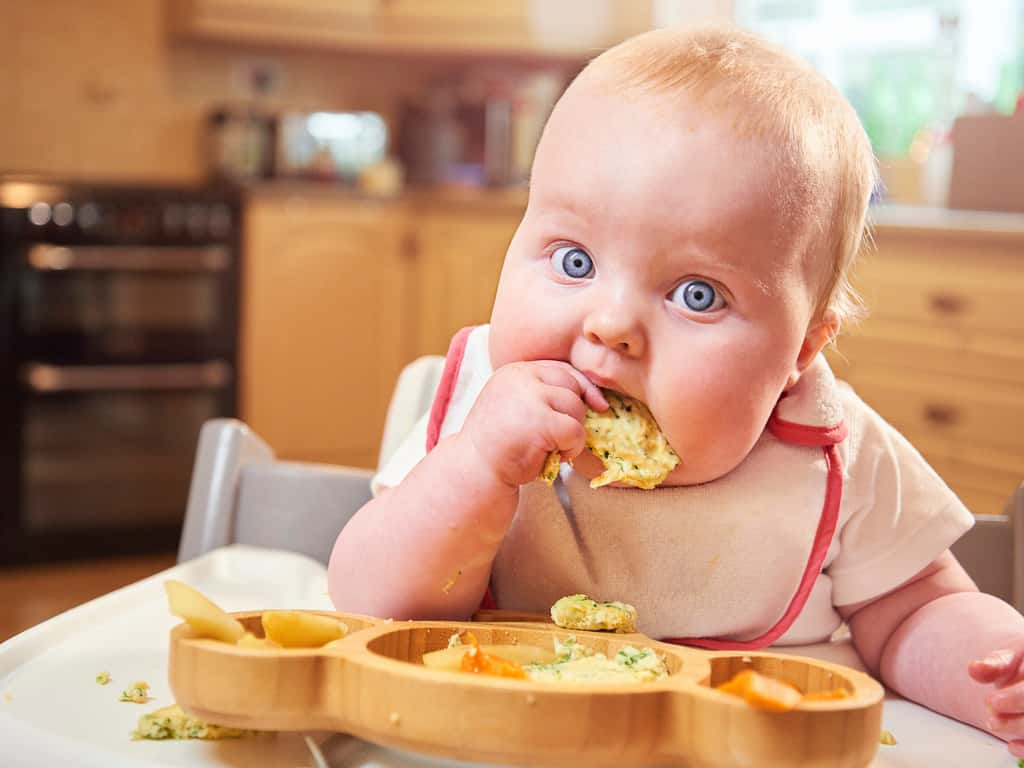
627	440
581	612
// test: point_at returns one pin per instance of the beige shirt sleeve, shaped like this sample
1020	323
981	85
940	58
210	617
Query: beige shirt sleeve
898	514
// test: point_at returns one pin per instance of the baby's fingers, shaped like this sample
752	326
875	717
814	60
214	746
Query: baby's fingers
999	667
1016	748
1007	728
584	387
1007	702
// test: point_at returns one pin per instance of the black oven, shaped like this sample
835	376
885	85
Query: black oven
118	339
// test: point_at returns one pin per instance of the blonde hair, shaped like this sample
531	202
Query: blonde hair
769	92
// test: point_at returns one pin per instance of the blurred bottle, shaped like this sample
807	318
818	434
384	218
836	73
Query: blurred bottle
938	169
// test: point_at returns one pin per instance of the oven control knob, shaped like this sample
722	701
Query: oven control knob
40	214
173	218
220	220
88	215
63	214
196	221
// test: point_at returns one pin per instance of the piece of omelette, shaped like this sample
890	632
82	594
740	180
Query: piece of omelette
582	612
629	443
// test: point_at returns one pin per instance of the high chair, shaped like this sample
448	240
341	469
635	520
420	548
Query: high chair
240	493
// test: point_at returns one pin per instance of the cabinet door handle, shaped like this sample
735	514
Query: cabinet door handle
128	258
947	303
44	379
941	415
410	247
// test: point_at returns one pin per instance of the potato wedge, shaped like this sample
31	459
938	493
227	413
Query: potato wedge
202	614
249	640
301	629
450	659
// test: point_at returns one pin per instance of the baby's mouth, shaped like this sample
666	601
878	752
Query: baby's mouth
604	382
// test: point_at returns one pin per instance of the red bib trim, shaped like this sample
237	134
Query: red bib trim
446	386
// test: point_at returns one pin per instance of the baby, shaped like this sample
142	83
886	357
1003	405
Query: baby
696	202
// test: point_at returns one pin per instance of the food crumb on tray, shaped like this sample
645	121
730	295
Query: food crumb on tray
137	693
174	723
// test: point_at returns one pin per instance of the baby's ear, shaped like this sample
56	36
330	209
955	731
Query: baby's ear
818	335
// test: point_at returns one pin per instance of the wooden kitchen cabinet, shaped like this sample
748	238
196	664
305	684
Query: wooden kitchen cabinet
424	26
326	297
457	261
339	293
941	355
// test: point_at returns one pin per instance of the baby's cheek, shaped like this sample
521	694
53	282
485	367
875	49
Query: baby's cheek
711	434
526	332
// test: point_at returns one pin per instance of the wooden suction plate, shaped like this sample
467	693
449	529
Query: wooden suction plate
373	685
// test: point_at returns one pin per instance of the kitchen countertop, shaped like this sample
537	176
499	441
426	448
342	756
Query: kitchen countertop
510	198
883	217
923	219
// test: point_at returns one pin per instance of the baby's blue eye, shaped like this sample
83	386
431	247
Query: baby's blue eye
697	296
572	261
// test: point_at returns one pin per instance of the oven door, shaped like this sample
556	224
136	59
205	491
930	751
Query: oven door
111	447
126	303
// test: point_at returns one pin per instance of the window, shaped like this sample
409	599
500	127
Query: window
906	65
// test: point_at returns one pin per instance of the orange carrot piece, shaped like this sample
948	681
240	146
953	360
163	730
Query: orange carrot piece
762	691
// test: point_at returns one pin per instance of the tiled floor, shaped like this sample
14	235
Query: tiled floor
33	594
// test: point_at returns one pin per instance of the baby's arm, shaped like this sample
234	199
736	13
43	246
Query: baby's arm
424	549
929	638
401	555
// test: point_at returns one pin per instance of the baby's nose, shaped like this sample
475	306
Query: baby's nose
614	326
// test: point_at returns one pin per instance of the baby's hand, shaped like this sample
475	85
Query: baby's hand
1002	668
526	411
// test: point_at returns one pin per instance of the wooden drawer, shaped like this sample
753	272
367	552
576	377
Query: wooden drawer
983	477
275	21
978	287
455	23
882	343
977	411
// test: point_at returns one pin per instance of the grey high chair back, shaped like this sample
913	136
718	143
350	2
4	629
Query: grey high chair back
240	493
992	552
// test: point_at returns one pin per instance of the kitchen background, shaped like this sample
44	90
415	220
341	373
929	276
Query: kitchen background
265	208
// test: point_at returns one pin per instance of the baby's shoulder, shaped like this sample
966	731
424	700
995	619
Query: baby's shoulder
869	436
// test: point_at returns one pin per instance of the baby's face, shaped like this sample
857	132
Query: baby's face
652	257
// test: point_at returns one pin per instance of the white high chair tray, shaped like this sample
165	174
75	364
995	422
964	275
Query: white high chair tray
52	711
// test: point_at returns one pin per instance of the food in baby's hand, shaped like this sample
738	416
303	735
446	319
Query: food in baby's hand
629	443
581	612
549	471
764	692
172	723
627	440
205	617
299	629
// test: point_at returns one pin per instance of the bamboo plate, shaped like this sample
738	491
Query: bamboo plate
373	685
